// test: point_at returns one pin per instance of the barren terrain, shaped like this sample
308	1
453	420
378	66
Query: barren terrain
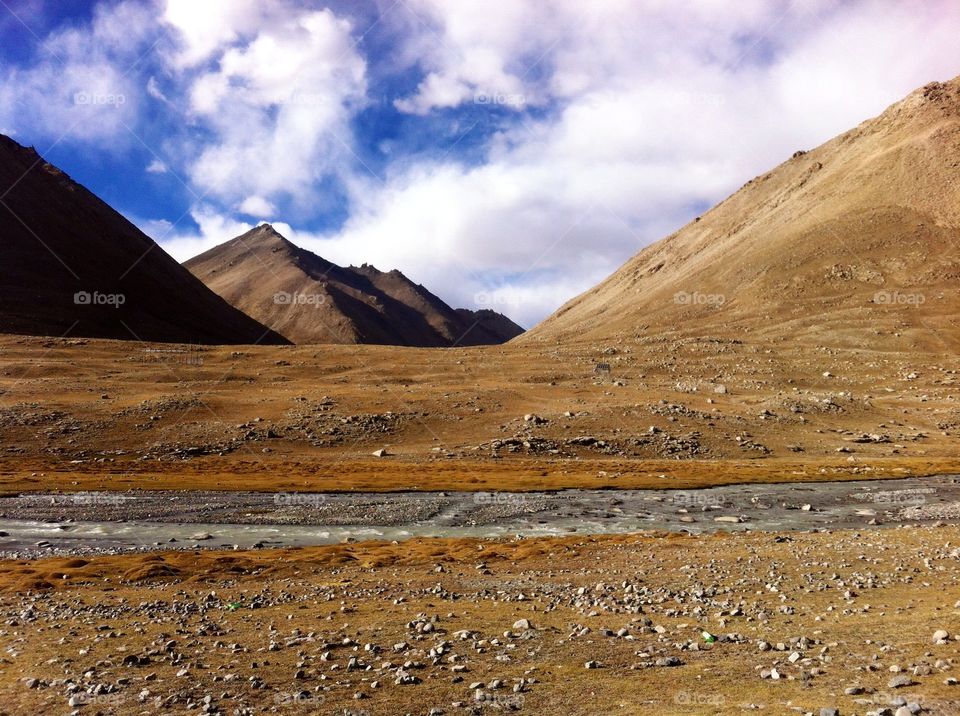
88	414
842	618
799	622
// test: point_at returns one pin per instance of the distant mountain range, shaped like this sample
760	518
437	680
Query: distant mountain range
73	266
853	243
311	300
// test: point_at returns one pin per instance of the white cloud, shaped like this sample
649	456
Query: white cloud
206	27
470	52
257	207
157	167
214	228
277	102
82	88
153	89
157	229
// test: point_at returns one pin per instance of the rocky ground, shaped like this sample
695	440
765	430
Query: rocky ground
847	622
847	619
114	404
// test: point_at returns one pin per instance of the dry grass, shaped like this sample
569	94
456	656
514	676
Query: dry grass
99	414
348	590
403	475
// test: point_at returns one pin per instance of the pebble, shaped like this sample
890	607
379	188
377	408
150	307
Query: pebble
899	681
668	661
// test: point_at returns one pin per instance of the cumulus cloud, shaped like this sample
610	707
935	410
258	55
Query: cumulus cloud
205	28
157	167
182	243
153	89
257	206
82	86
472	54
276	103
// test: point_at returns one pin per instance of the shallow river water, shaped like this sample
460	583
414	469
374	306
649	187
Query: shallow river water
72	523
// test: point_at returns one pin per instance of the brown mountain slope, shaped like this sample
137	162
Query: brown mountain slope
854	243
310	300
74	266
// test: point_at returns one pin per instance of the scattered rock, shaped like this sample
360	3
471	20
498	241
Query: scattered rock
668	661
900	681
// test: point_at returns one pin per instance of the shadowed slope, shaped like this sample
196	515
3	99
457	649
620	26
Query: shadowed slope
74	266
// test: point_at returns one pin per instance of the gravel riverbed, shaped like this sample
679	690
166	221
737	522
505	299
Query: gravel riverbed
34	525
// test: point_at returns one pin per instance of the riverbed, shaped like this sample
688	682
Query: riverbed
44	524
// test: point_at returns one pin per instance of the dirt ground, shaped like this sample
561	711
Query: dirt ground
84	414
432	626
435	622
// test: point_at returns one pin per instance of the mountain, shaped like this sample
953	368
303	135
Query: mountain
74	266
311	300
854	243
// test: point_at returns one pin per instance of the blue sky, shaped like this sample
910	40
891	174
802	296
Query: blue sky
508	158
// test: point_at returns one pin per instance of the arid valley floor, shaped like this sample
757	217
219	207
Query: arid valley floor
815	617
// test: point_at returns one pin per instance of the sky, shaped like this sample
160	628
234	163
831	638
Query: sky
506	155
